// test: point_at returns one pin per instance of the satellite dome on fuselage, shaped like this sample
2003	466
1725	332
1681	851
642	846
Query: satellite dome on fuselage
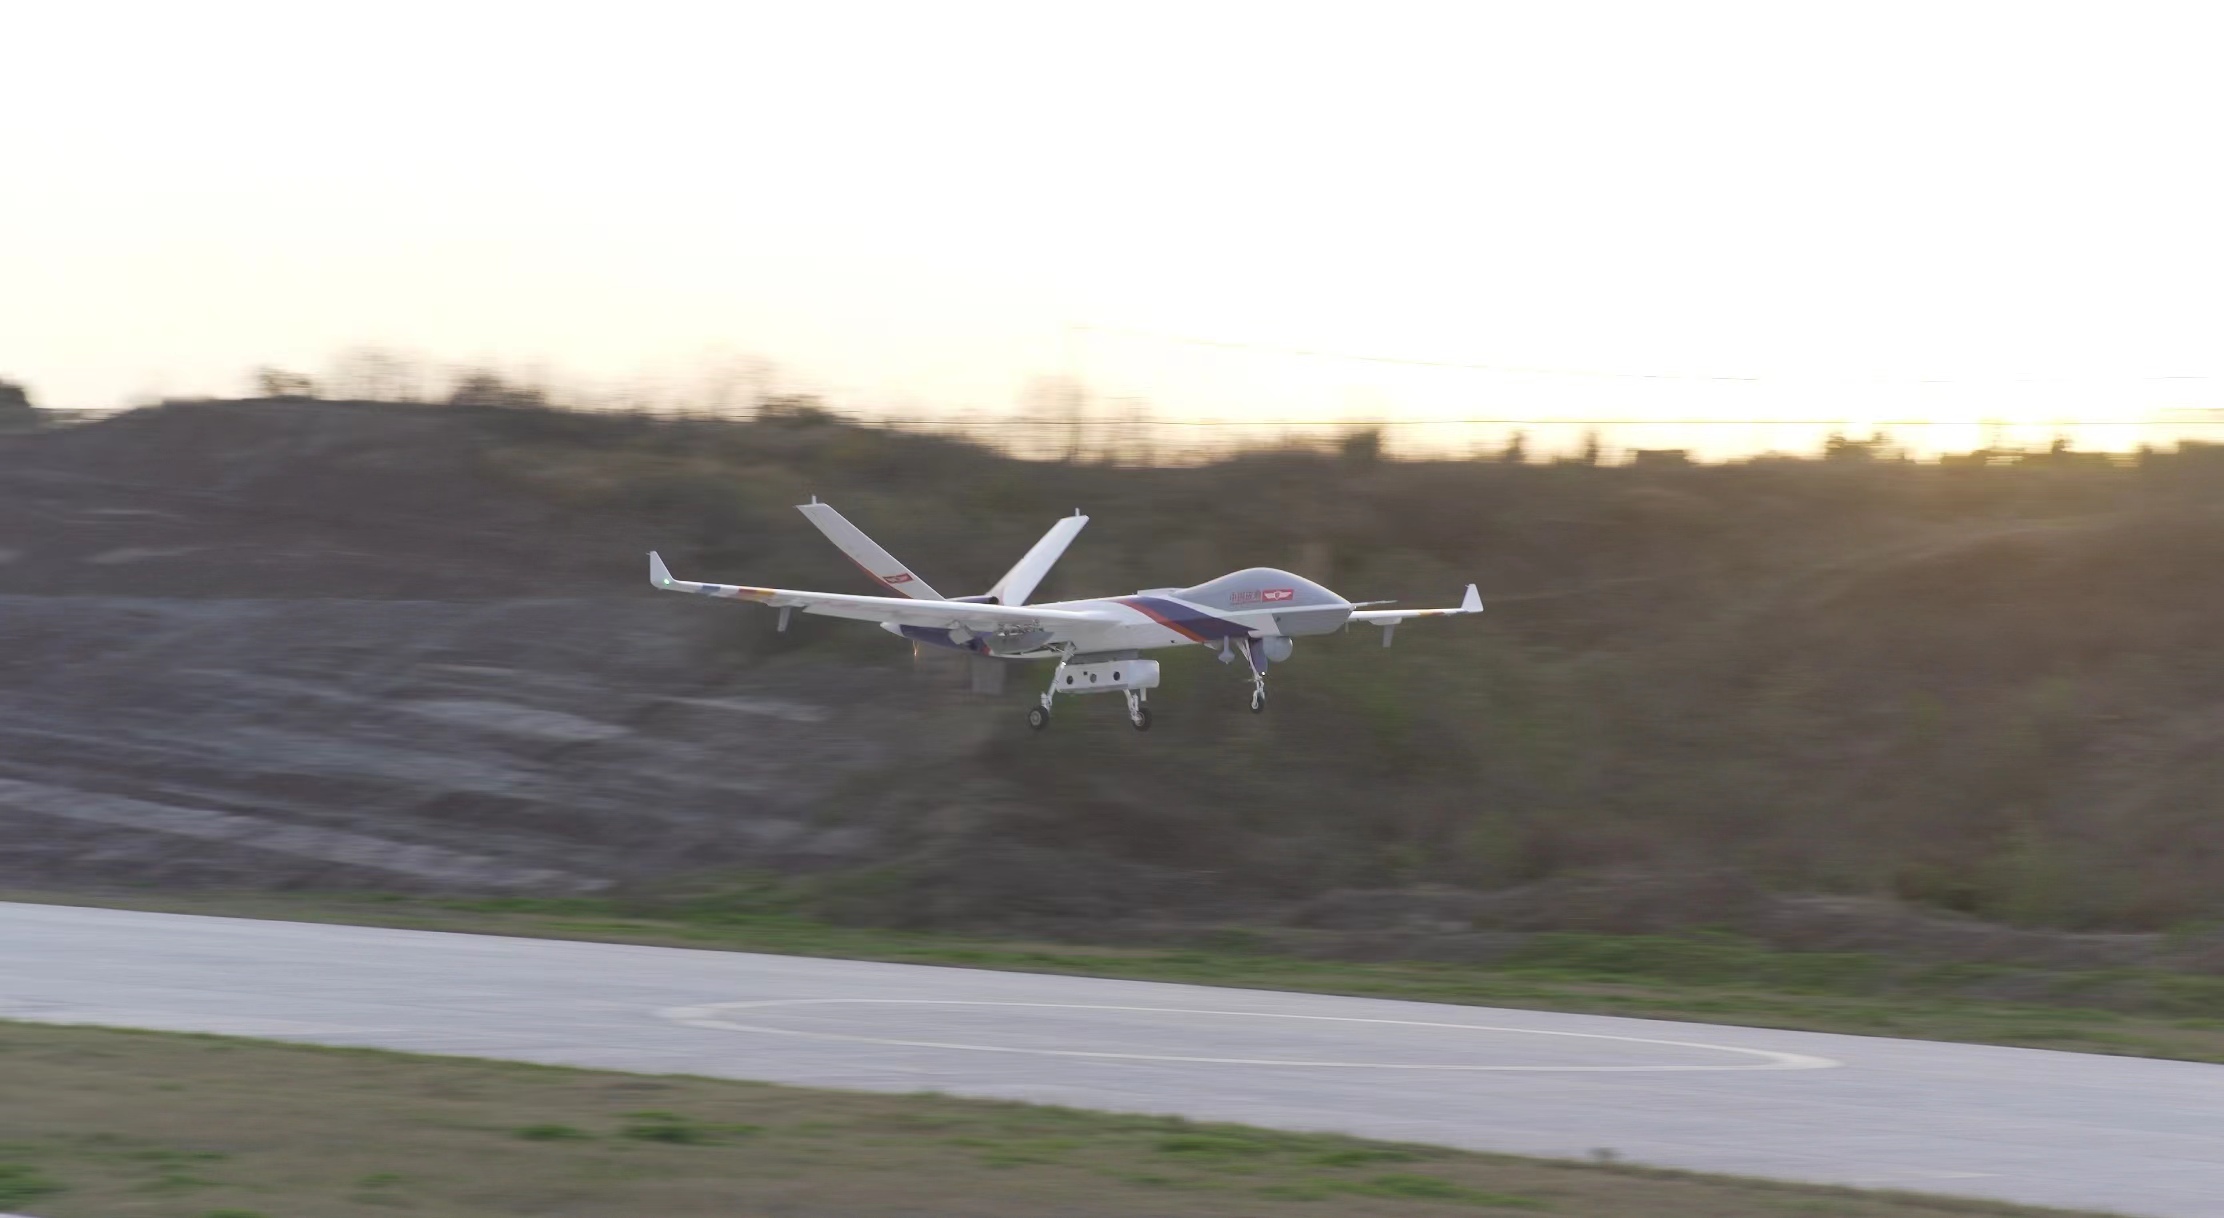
1260	588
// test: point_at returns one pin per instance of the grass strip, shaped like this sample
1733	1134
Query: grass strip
100	1123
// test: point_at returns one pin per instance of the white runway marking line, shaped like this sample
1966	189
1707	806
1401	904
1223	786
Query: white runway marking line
707	1016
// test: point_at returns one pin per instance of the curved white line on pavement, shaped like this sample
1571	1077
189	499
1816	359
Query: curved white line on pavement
709	1016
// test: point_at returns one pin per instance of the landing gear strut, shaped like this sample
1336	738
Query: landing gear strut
1038	717
1102	673
1258	675
1138	713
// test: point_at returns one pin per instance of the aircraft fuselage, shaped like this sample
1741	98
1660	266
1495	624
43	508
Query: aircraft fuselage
1258	602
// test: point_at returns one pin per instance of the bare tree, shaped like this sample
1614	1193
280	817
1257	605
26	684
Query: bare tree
479	387
1060	403
278	383
734	387
1140	447
376	374
1360	445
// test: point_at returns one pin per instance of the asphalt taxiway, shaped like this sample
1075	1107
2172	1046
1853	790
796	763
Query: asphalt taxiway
2125	1134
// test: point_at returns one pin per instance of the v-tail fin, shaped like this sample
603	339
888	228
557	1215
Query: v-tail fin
1019	583
866	552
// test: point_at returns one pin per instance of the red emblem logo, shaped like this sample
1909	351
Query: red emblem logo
900	577
1278	594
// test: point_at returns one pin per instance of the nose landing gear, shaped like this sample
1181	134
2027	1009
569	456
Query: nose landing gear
1258	675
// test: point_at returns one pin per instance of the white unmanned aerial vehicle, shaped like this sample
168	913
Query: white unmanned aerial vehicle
1254	613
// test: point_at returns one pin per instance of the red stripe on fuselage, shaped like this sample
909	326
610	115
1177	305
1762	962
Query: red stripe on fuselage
1138	605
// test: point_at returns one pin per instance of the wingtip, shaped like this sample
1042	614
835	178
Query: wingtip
1472	602
659	576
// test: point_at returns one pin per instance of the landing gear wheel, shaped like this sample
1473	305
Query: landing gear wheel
1141	718
1258	701
1038	717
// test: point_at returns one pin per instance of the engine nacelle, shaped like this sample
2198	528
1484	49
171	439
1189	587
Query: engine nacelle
1276	648
1108	676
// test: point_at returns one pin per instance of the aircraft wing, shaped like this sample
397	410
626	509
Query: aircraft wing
1470	603
975	616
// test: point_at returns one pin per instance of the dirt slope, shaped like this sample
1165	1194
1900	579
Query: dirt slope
297	643
267	645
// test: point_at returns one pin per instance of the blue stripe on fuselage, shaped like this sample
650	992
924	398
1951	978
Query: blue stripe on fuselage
1197	624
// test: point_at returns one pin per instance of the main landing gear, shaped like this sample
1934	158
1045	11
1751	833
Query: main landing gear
1138	712
1038	717
1127	675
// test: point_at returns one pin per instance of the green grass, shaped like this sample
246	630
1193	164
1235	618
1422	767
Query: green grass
94	1122
21	1182
1702	977
679	1130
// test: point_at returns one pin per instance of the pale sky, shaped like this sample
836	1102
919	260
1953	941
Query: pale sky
913	208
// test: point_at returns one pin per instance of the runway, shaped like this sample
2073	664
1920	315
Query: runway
2126	1134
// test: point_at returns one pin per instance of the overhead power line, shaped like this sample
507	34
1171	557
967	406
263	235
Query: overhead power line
1190	340
1098	422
